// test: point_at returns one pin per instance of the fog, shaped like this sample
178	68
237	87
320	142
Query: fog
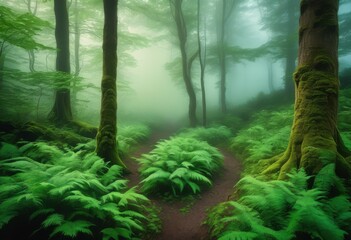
150	81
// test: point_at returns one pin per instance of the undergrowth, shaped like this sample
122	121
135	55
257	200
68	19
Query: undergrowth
277	209
215	135
179	166
266	136
285	210
50	194
128	136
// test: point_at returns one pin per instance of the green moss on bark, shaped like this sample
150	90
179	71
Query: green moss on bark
314	136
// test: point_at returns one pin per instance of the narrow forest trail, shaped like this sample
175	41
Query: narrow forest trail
177	225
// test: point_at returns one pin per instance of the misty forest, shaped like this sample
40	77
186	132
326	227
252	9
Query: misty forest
175	119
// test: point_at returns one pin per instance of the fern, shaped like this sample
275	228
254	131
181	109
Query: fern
130	135
52	220
179	165
283	210
213	135
72	228
237	235
114	233
70	194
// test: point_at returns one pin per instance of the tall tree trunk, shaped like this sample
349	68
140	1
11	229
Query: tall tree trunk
2	65
76	51
315	140
222	60
270	75
225	12
107	147
61	112
202	60
176	5
291	49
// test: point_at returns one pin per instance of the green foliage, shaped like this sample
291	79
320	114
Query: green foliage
20	29
179	165
71	194
130	135
284	210
216	135
344	116
8	150
266	136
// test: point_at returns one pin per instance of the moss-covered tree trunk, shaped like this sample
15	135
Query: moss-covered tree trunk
106	137
315	140
176	6
61	112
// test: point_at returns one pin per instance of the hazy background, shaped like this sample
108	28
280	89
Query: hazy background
150	83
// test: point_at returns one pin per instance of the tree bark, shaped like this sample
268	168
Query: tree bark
226	10
186	63
270	75
202	60
315	140
107	147
76	51
222	61
61	112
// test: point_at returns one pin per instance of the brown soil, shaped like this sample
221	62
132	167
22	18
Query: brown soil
177	225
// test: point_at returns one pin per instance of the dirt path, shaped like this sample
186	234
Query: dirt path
186	226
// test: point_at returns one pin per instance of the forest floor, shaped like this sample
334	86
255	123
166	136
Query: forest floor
182	220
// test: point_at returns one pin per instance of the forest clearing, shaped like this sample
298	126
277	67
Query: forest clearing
175	120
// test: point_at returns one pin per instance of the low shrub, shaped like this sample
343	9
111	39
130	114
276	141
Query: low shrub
179	165
216	135
285	209
69	195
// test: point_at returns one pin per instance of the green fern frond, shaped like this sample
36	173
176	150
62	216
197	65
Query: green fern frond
10	189
61	190
115	233
311	219
160	174
339	208
133	214
29	198
117	185
327	181
131	195
299	178
187	164
39	212
111	208
72	228
96	185
194	187
5	217
113	173
128	223
86	201
177	184
70	194
198	177
179	172
20	164
53	220
180	158
238	235
111	197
